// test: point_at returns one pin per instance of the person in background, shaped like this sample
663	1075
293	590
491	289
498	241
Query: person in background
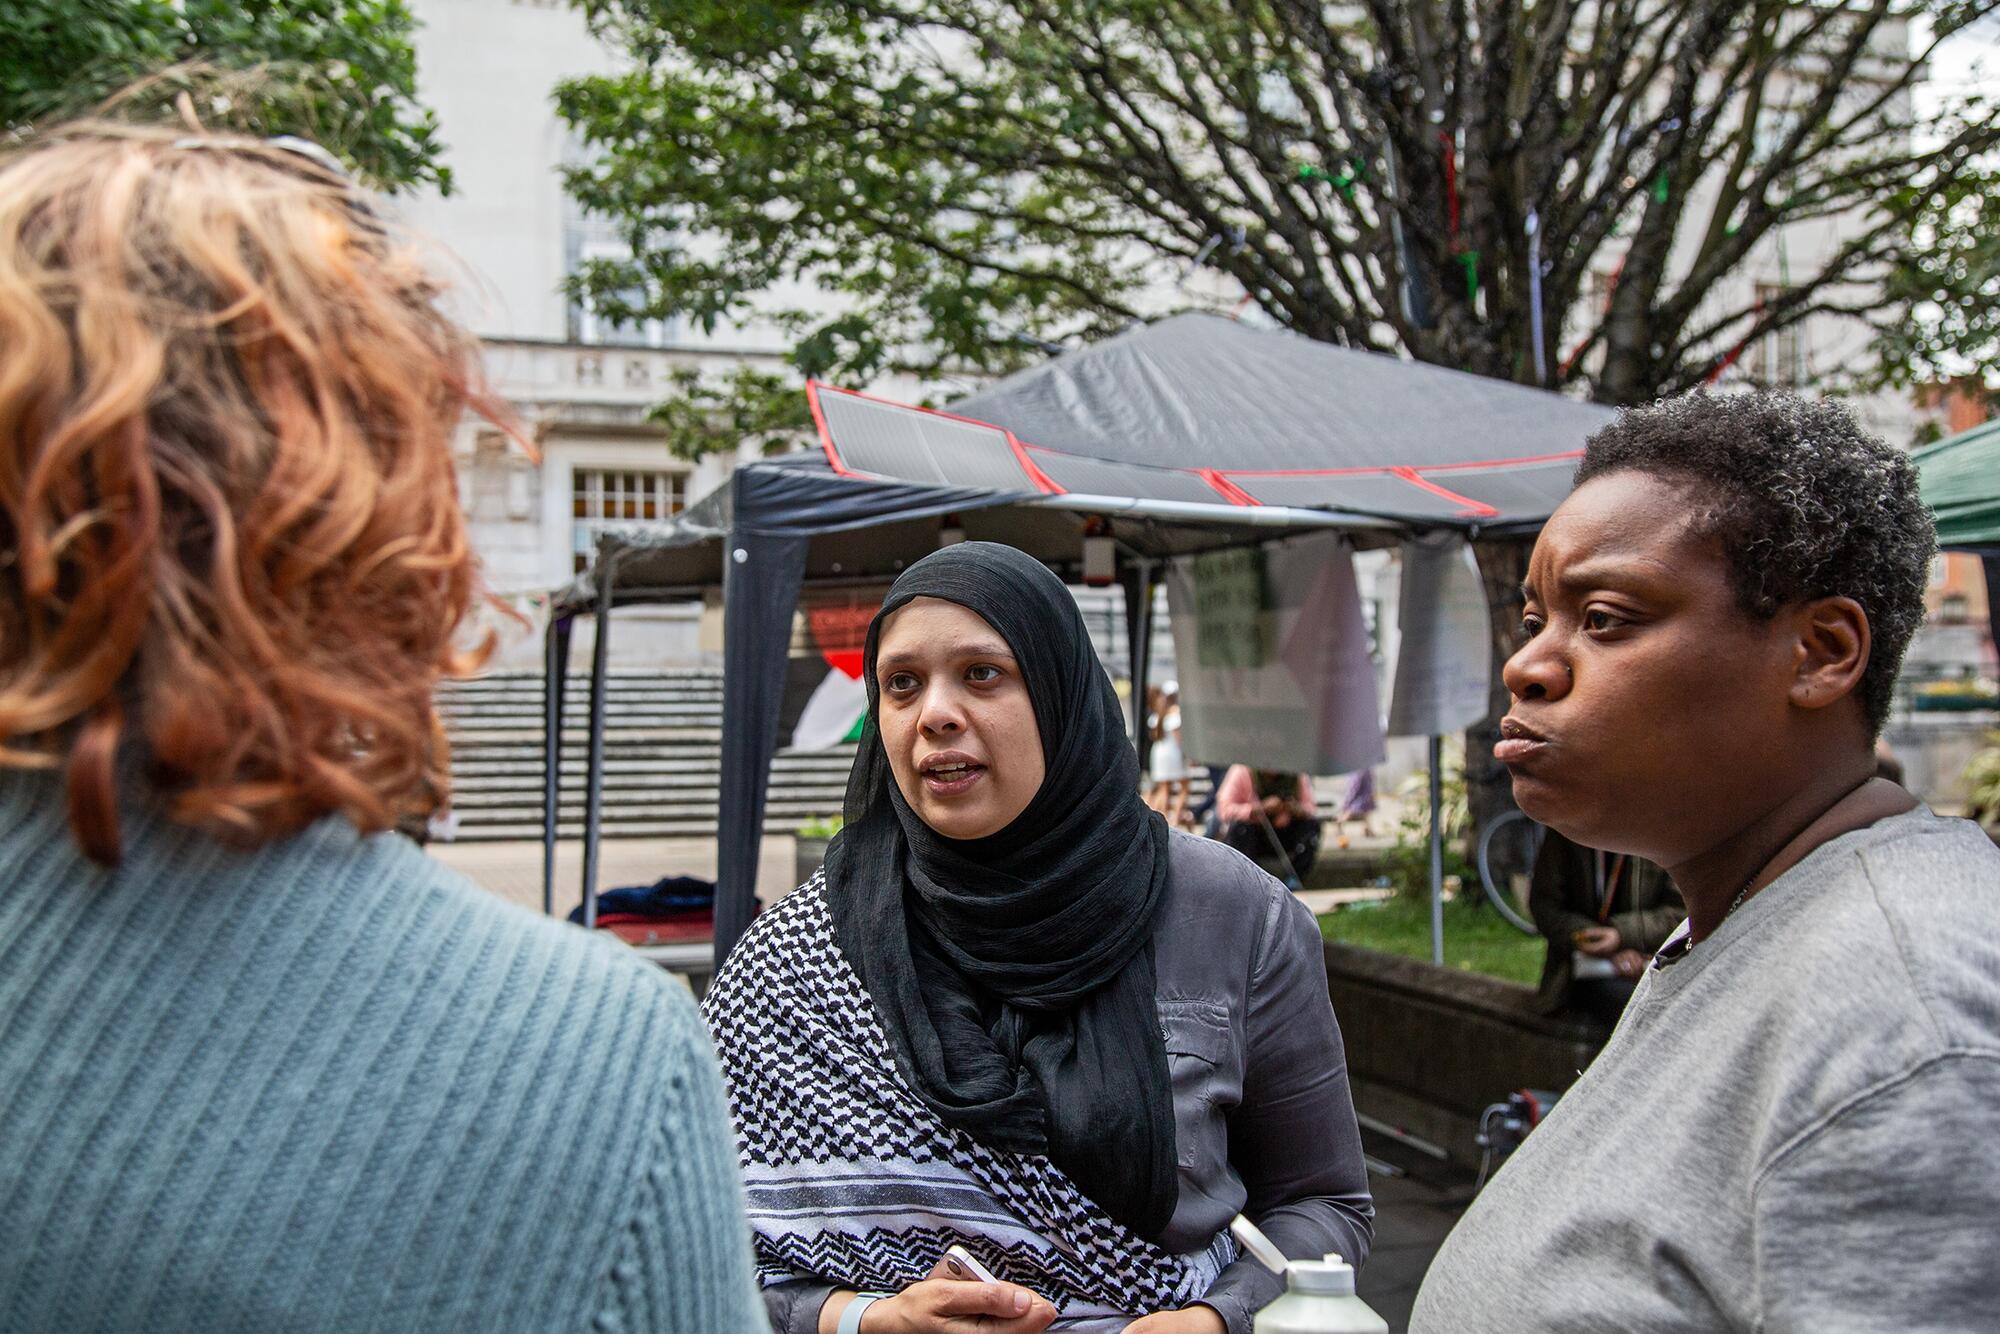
1886	764
1603	915
1791	1128
1167	761
1020	1014
1156	713
1357	802
1269	816
263	1064
1201	815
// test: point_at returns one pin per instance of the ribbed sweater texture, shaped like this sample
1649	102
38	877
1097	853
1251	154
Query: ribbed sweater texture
331	1085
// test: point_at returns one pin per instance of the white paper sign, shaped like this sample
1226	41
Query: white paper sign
1310	704
1444	668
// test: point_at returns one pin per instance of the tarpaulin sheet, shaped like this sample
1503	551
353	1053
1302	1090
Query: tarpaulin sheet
1960	480
1280	419
1272	656
1192	435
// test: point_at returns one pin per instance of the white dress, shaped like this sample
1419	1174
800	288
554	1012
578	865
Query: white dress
1167	762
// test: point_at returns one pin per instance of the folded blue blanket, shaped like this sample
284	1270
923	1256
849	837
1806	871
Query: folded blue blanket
669	896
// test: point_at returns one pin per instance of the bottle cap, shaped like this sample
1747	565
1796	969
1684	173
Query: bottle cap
1252	1239
1330	1276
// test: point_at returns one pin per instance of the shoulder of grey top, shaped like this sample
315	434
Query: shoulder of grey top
1222	871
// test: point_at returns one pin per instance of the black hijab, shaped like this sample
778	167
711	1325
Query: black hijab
1014	973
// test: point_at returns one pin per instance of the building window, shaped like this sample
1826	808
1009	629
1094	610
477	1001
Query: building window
602	498
588	325
1778	359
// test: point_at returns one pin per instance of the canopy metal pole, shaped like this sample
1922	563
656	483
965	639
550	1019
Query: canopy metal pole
1437	849
555	676
593	789
1228	516
760	596
1989	565
1139	627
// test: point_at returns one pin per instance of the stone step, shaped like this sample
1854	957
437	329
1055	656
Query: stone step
465	800
519	780
530	735
579	682
706	713
635	760
524	743
662	758
627	755
664	685
615	705
497	678
795	807
532	830
621	822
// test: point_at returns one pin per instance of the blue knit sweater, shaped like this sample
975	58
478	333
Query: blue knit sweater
330	1085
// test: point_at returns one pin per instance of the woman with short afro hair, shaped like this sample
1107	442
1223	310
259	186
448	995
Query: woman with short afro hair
1790	1128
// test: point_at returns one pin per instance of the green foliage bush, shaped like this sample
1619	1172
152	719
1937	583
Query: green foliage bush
1982	782
340	72
1408	860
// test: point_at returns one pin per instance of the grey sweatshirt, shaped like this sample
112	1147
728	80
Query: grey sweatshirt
1794	1128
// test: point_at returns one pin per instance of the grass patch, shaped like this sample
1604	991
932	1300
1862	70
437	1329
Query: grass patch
1476	940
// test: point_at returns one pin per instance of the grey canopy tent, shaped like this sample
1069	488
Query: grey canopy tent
1185	436
1960	476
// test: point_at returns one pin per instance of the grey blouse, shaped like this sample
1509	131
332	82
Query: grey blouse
1263	1119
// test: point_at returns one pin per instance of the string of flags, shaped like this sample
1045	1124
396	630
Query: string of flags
1353	169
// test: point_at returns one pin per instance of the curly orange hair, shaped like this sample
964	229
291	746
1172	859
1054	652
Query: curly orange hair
231	555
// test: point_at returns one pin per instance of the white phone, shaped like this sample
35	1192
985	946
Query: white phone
958	1263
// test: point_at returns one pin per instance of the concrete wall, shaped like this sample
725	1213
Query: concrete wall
1935	748
1428	1048
489	69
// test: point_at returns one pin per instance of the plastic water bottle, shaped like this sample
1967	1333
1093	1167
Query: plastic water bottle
1319	1294
1319	1299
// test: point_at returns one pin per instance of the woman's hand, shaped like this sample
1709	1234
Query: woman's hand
1629	963
1187	1320
954	1306
1600	942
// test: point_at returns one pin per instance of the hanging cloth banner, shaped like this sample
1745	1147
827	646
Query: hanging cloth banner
1273	659
825	698
1444	667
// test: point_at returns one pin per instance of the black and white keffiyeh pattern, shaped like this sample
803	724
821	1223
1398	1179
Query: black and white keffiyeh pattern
852	1179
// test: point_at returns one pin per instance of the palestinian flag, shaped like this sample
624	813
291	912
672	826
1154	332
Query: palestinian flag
825	698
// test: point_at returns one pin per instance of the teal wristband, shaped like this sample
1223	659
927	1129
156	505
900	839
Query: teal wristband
850	1318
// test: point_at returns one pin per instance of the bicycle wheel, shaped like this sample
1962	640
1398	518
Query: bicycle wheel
1508	848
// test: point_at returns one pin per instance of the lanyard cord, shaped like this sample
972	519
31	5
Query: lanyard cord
1610	890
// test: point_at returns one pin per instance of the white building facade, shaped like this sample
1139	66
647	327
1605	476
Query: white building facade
583	391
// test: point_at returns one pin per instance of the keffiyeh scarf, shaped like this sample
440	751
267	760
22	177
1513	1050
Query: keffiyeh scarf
854	1180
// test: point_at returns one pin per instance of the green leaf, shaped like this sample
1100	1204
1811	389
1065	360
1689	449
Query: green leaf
340	72
962	179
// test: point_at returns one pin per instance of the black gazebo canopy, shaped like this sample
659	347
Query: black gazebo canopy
1183	436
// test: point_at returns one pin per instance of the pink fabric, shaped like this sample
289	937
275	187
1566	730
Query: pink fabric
1236	799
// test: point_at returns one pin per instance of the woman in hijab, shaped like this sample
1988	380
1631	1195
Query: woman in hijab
1017	1015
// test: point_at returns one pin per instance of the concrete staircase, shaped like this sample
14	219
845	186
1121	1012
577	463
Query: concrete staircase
662	758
